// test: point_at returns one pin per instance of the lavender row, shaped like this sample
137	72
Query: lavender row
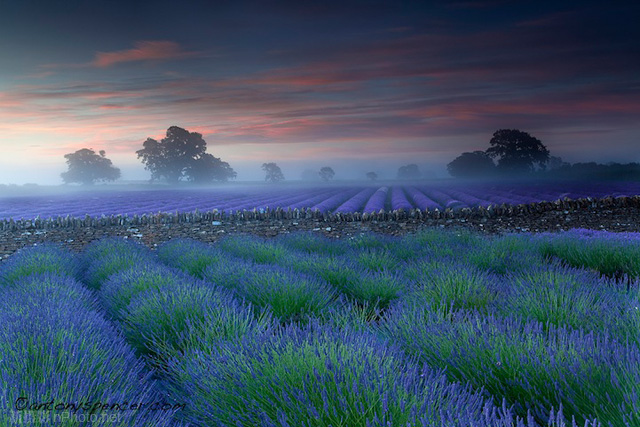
357	202
399	200
332	372
420	200
64	363
33	225
377	201
325	200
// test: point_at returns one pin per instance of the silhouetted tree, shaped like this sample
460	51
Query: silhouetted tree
517	151
182	154
326	173
274	174
372	176
86	167
598	172
207	168
471	165
409	172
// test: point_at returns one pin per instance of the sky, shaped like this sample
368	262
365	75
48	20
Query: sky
356	85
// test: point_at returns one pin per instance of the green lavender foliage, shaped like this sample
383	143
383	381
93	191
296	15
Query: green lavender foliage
104	257
254	249
508	253
56	346
312	242
563	296
614	255
162	322
454	285
121	287
318	376
45	258
188	255
291	296
535	368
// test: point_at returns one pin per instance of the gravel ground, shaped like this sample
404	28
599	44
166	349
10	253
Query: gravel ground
614	218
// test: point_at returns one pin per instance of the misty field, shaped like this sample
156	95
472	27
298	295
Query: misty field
340	198
439	328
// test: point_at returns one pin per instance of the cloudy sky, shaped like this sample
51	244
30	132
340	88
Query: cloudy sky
357	85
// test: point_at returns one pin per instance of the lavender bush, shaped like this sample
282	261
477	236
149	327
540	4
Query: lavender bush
46	258
453	285
399	200
612	254
562	296
318	376
421	201
507	253
188	255
357	202
376	259
105	257
163	322
535	368
56	347
116	293
310	242
291	296
254	249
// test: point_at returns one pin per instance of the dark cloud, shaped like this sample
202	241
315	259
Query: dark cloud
416	76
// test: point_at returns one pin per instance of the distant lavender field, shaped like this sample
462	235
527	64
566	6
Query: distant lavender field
341	199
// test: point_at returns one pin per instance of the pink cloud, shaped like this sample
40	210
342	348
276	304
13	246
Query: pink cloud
143	51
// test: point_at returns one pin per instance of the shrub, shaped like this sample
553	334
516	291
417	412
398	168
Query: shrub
310	242
118	290
319	376
376	259
189	255
375	288
534	368
291	296
612	254
108	245
101	269
46	258
56	347
254	249
563	296
510	253
165	321
104	257
453	285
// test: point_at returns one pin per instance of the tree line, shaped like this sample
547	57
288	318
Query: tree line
519	154
182	155
516	152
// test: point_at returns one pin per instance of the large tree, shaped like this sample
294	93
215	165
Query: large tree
517	151
86	167
273	172
182	154
410	171
207	168
471	165
326	173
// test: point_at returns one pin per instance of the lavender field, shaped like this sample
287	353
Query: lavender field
334	199
438	328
